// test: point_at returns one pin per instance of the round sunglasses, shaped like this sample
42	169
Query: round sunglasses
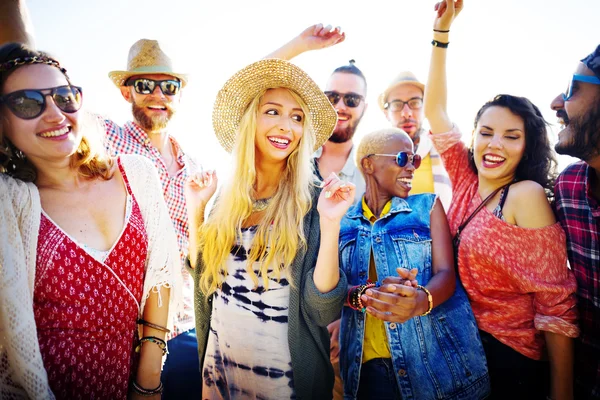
403	158
31	103
169	87
351	100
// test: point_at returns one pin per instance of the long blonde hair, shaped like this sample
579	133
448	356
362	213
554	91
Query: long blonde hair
281	233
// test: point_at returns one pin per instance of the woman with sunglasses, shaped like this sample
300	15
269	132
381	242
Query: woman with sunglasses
266	258
512	256
87	248
401	336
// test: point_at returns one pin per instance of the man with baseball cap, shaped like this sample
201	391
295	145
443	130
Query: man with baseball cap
402	104
577	205
152	85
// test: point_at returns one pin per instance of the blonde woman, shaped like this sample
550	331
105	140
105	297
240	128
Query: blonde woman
266	259
87	249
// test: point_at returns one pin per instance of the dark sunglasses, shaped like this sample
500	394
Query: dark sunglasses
31	103
351	100
581	78
169	87
403	158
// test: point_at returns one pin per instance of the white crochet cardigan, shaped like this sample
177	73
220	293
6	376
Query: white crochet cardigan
22	373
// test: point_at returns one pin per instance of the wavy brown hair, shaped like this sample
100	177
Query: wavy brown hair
89	160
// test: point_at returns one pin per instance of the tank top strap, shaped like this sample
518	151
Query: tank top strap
503	197
124	176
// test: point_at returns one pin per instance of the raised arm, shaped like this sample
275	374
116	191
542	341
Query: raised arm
15	25
312	38
436	89
198	191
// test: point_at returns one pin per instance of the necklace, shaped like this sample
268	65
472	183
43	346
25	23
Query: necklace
260	204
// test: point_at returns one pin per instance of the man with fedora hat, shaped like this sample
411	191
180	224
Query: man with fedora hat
577	207
153	87
402	104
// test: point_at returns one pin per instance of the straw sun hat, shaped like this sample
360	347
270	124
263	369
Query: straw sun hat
403	78
237	93
146	57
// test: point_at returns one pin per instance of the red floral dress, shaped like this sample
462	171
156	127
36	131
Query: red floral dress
86	310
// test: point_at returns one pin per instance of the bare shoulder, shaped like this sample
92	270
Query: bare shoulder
529	205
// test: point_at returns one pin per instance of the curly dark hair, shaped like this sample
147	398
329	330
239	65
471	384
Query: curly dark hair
538	163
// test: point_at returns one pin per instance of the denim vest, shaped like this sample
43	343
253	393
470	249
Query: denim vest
438	356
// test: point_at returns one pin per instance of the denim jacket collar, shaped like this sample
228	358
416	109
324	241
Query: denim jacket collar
398	205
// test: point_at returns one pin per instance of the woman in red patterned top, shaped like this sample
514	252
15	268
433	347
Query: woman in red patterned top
101	258
512	256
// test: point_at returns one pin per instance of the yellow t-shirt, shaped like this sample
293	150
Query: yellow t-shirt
423	179
375	343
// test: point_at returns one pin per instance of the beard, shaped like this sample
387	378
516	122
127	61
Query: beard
583	134
151	123
342	135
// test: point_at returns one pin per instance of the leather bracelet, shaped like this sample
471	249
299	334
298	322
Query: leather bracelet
153	326
439	44
429	299
147	392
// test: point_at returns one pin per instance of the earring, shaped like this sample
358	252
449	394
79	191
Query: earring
19	154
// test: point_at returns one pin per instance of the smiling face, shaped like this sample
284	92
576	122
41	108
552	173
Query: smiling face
410	121
384	173
279	126
52	136
499	144
348	117
580	118
151	111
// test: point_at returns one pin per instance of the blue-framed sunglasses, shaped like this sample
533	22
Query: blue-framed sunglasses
580	78
403	158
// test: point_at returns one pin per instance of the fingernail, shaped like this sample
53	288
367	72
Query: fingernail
369	292
327	194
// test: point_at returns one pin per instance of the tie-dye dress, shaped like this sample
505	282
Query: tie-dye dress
247	355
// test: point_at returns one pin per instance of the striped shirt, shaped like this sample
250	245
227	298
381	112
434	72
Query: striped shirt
132	139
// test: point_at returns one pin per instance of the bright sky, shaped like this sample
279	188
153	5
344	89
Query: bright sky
521	47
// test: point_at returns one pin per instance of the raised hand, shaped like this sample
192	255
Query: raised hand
319	37
335	199
199	188
446	13
312	38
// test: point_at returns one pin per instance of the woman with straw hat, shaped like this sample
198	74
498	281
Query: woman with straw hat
266	259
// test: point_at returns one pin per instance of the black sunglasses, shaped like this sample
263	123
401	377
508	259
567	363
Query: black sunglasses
403	158
351	100
169	87
31	103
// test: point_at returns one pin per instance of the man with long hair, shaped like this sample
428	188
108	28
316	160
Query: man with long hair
577	193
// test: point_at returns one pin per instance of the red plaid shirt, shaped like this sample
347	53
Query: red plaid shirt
579	214
131	139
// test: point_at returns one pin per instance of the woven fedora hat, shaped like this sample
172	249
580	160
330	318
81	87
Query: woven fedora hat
403	78
237	93
146	57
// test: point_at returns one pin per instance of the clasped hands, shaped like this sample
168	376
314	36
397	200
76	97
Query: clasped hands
397	299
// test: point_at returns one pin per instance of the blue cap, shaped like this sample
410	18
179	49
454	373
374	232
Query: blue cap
593	61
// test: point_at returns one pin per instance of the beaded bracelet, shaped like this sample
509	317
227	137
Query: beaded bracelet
158	341
354	294
153	326
147	392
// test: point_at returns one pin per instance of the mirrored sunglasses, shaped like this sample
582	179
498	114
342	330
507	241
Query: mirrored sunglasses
31	103
169	87
403	158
